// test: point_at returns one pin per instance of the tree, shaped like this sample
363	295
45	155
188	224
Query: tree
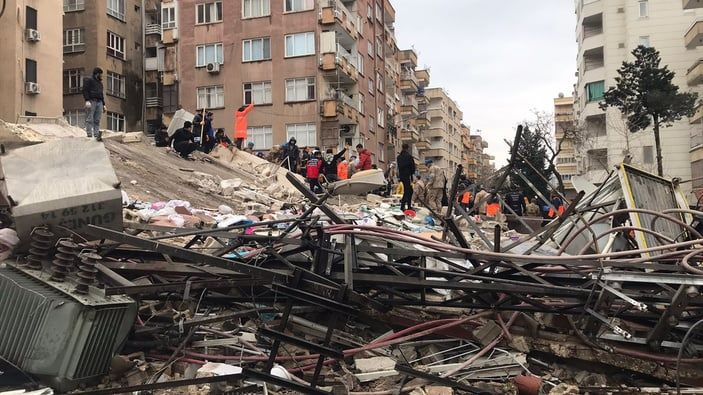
533	150
644	93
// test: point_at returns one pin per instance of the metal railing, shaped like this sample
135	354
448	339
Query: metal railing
342	53
152	29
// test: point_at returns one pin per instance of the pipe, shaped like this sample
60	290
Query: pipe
625	229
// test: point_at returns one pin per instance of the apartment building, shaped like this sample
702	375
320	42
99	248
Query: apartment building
607	31
314	69
444	130
693	41
564	128
30	54
106	34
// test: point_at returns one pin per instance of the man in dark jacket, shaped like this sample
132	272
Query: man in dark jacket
94	103
329	167
184	140
291	154
364	158
406	169
516	201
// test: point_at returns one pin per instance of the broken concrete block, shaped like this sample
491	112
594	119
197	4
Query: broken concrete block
233	183
374	364
436	390
371	376
488	332
371	198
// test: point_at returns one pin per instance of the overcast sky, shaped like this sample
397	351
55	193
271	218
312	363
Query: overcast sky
496	59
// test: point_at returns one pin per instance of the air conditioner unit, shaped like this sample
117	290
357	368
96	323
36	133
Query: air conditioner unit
213	67
31	88
32	35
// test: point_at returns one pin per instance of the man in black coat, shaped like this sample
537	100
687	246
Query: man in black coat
184	140
329	167
406	169
94	103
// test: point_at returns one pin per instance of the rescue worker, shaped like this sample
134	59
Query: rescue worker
558	204
481	201
364	158
516	201
290	155
493	207
329	166
183	140
435	186
533	209
406	169
313	169
464	199
241	124
343	170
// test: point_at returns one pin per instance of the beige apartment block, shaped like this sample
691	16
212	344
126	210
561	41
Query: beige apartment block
444	130
564	127
693	40
30	55
413	110
106	34
314	69
607	31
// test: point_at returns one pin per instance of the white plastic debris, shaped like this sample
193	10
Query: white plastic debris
223	209
8	241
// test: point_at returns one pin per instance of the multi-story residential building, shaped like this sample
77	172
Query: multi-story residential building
693	40
607	31
30	54
413	119
483	166
106	34
564	129
314	69
444	130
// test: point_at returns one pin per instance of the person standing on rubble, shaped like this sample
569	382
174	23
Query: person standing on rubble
435	186
94	103
516	201
184	140
313	170
329	166
290	155
533	209
364	158
481	200
406	169
222	139
241	124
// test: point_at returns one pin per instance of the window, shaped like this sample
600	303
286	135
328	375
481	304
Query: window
30	70
369	48
115	45
648	154
75	117
30	16
170	98
381	151
595	91
381	117
361	103
211	97
208	53
300	44
598	159
305	134
300	89
261	136
372	84
298	5
256	8
369	11
379	82
257	92
644	8
73	41
72	81
115	84
115	122
372	125
644	41
116	8
73	5
360	64
256	49
379	13
168	16
208	13
379	47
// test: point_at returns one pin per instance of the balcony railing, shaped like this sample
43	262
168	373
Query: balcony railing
152	29
153	101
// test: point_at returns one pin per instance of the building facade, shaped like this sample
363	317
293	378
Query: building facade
318	70
444	130
607	31
30	54
564	130
107	34
693	40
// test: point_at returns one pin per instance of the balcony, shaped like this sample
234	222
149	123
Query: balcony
694	75
422	144
697	116
409	109
409	135
151	64
152	28
434	113
436	153
335	14
434	133
408	56
343	107
341	61
423	77
691	4
408	82
694	35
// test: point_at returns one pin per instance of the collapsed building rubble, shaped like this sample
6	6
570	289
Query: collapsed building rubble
294	294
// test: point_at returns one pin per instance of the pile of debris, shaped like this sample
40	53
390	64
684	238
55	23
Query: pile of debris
281	292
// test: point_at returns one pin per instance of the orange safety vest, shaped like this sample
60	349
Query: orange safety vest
492	209
241	123
343	170
466	198
560	210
